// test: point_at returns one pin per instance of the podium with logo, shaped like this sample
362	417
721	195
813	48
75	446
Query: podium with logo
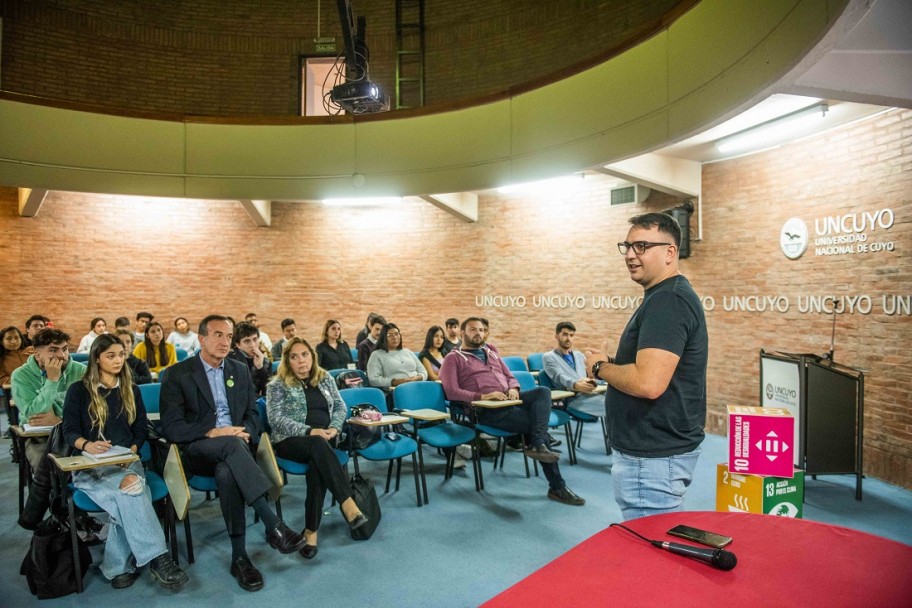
826	401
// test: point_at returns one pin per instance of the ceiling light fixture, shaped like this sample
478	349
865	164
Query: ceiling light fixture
773	131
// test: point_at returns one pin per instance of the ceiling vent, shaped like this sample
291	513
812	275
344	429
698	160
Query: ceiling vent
634	193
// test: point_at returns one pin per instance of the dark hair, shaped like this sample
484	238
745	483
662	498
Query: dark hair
98	406
564	325
184	319
382	342
329	323
34	318
452	321
370	319
145	315
243	330
249	314
429	337
48	336
286	322
664	222
469	320
126	332
3	333
204	324
377	319
96	320
485	322
150	348
122	322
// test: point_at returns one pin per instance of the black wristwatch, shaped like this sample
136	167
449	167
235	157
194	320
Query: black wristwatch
597	366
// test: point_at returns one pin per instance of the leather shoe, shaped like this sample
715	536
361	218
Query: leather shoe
285	540
357	521
541	454
124	580
167	573
309	551
248	577
566	496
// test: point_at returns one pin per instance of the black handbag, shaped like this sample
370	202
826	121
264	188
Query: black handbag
356	436
365	497
57	444
48	566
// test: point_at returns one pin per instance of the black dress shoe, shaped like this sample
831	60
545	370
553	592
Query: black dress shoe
541	454
248	577
309	551
566	496
285	540
357	521
124	580
167	573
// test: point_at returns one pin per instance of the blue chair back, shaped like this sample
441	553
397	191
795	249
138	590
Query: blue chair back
364	394
275	366
418	395
181	354
536	363
150	396
81	357
336	372
515	364
354	354
545	380
526	380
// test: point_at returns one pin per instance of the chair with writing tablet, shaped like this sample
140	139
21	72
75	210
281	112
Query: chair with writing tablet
579	416
558	418
435	429
536	362
515	363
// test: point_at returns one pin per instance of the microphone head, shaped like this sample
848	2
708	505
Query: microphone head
724	560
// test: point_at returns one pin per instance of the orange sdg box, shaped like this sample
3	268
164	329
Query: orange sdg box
761	440
759	494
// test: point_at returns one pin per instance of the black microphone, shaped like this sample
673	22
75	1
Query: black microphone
717	558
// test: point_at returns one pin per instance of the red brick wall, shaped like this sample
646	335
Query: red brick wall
85	255
210	57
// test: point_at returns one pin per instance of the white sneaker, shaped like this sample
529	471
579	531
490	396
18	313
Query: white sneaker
464	451
459	462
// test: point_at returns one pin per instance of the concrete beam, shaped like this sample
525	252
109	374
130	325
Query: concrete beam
463	205
30	200
259	211
676	176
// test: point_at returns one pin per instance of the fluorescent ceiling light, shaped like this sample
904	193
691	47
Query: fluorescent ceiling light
548	186
773	131
374	201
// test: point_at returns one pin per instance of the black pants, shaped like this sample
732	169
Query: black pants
325	473
237	476
530	419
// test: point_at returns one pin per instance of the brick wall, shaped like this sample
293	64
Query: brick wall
86	254
210	57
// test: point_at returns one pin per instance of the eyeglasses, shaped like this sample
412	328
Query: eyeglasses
639	247
393	334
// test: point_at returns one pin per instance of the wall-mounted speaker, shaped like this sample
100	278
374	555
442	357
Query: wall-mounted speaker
682	214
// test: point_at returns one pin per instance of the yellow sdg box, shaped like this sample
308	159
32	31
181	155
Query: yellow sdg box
759	493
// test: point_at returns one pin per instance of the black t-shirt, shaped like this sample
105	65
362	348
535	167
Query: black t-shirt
670	318
317	408
334	358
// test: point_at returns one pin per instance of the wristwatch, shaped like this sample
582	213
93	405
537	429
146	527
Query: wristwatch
597	366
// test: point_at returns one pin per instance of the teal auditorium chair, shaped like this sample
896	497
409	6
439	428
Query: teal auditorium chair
354	354
394	447
579	416
535	362
181	353
515	363
445	435
559	418
81	357
275	366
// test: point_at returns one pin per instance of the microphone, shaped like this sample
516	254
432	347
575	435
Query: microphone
717	558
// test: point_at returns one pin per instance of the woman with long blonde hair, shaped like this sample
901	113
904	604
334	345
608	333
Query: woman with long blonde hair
103	411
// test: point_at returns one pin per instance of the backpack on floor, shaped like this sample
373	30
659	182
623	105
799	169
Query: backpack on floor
48	566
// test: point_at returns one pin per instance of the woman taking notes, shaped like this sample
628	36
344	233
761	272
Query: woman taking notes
103	411
306	414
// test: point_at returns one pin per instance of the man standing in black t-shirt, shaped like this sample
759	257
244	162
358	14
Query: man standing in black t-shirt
656	399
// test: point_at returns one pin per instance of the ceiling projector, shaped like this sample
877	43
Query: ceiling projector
360	97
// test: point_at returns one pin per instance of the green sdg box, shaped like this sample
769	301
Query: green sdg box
759	493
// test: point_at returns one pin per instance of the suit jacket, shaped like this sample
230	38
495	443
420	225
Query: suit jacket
188	407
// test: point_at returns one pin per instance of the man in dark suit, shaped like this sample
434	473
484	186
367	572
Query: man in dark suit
208	407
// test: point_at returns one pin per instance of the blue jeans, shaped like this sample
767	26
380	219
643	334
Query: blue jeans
649	486
134	533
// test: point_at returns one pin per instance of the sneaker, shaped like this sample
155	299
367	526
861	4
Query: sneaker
464	451
124	580
566	496
167	573
541	454
552	442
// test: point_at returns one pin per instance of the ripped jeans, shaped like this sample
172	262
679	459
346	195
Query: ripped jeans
134	535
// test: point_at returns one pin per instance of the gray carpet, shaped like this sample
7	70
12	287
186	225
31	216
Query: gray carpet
461	549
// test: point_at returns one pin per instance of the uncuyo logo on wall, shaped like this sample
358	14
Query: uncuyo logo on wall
769	391
793	238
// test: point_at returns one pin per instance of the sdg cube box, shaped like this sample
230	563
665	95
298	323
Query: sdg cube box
760	440
782	496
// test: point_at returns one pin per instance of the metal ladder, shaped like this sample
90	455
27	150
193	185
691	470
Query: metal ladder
409	53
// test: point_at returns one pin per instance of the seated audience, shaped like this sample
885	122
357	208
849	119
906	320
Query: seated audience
122	323
34	324
142	322
157	353
246	349
13	352
391	365
208	407
487	334
431	356
97	328
306	414
183	337
333	352
105	410
368	344
366	330
452	336
265	340
141	372
288	332
476	373
567	370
